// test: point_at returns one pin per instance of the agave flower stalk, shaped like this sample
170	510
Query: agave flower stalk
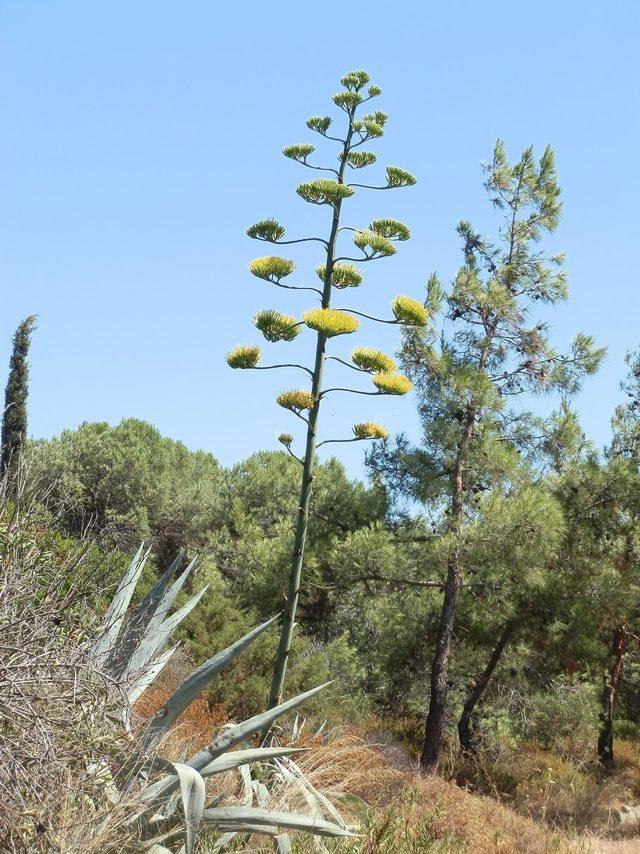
337	272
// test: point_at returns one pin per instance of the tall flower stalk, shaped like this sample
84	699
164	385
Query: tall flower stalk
335	272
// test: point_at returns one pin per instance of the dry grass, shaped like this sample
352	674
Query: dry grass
54	723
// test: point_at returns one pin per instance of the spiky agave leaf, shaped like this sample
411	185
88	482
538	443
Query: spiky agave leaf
373	245
330	321
189	689
390	228
298	152
266	229
342	275
369	430
252	819
239	732
399	177
271	268
374	361
244	356
156	636
158	802
113	619
192	790
236	758
276	326
227	739
409	311
323	191
391	383
296	400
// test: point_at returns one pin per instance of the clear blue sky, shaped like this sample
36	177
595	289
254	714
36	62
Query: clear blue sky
139	139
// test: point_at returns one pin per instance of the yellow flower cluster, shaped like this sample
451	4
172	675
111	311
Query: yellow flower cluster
374	361
391	383
295	400
376	243
330	321
244	356
298	152
399	177
409	311
323	191
275	326
342	275
271	268
369	430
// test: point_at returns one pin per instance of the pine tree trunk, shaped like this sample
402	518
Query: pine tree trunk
608	698
439	680
466	723
434	725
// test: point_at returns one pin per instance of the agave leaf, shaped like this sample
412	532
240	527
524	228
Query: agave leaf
308	795
260	818
141	617
155	637
149	675
194	684
231	829
235	734
261	793
247	788
112	622
304	784
225	741
236	758
164	606
192	789
282	843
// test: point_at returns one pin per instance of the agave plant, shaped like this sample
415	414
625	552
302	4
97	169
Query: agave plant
131	649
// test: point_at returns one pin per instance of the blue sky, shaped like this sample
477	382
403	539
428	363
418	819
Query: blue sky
139	139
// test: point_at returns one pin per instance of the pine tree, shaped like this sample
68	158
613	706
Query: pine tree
489	354
14	420
624	459
337	272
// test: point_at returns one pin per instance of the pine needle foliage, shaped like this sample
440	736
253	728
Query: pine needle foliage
489	352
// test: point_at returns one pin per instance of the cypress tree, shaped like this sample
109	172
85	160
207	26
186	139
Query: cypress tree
14	419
